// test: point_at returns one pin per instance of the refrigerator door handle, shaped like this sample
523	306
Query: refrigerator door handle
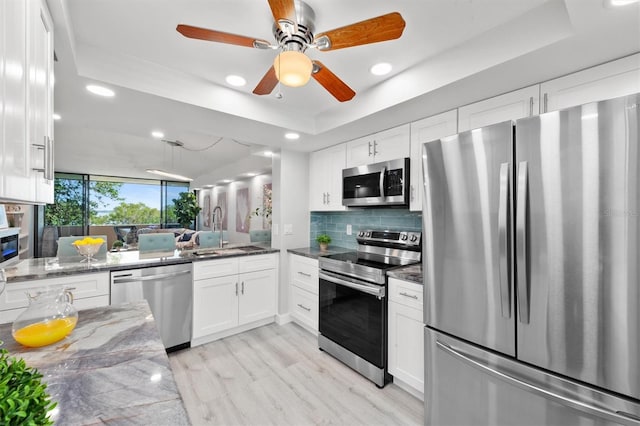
503	241
604	413
521	242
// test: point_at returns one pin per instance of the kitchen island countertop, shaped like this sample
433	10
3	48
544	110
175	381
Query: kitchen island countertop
111	369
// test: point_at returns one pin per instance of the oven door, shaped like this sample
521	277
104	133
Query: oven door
380	184
353	314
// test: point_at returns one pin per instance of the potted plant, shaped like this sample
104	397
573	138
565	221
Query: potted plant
323	240
23	397
117	245
186	208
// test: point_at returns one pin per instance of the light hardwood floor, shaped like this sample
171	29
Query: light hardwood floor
275	375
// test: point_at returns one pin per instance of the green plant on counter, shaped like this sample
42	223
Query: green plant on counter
323	239
117	245
23	400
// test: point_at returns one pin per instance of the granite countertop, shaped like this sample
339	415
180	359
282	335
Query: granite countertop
315	252
412	273
48	267
111	369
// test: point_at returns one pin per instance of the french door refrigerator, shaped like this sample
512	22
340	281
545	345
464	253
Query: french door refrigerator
531	270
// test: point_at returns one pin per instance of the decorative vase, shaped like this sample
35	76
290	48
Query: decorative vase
50	317
324	246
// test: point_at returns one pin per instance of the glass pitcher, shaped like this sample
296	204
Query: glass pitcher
49	318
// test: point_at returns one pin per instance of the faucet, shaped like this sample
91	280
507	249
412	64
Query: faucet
217	217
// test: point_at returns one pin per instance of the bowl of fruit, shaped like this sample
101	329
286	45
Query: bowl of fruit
88	247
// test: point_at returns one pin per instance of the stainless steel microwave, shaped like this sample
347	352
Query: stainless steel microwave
379	184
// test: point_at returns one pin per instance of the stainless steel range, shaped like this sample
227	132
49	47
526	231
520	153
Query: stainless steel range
353	299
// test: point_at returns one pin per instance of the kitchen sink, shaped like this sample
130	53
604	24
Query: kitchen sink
210	252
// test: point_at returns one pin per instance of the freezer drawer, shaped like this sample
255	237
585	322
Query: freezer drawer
466	385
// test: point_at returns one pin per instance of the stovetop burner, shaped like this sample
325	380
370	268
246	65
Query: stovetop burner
352	257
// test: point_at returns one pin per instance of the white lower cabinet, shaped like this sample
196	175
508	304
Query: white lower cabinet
303	277
88	290
406	335
232	295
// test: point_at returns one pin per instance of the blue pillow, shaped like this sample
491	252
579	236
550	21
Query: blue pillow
186	237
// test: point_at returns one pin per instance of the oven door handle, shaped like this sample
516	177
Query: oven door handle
374	290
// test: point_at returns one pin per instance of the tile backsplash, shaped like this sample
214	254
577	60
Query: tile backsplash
335	224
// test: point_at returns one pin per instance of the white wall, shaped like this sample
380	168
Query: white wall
290	212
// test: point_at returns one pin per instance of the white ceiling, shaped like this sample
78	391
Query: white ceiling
452	52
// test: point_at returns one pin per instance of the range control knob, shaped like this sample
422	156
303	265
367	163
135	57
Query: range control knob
368	234
414	238
361	234
403	237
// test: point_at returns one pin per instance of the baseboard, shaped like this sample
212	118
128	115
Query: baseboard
230	332
282	319
408	388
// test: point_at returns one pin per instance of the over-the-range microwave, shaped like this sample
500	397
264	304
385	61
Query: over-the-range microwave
379	184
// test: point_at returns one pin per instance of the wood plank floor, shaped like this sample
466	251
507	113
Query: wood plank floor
275	375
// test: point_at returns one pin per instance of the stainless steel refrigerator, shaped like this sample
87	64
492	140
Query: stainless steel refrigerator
531	270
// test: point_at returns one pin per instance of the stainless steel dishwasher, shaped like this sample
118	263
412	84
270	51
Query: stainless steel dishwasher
169	292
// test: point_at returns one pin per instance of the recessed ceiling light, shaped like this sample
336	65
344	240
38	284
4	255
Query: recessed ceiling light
169	175
268	154
236	80
226	181
100	90
382	68
292	136
157	134
252	174
620	2
56	116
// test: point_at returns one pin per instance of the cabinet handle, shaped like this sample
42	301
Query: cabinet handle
328	198
242	290
47	147
412	191
411	296
324	198
531	106
304	307
369	148
236	289
375	151
305	274
545	100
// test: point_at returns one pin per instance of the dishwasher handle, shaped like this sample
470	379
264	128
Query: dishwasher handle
129	279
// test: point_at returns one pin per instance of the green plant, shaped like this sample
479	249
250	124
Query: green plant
186	208
323	239
117	244
23	400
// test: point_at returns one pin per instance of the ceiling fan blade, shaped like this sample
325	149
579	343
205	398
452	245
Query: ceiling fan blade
219	36
267	83
374	30
331	82
284	13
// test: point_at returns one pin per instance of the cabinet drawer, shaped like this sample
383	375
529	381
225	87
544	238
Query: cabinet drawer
406	293
257	263
304	273
215	268
304	307
82	285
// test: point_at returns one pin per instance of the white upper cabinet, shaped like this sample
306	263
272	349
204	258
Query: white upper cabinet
40	111
325	180
510	106
387	145
425	130
610	80
26	122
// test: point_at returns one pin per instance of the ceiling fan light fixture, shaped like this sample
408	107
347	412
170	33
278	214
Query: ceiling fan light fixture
293	68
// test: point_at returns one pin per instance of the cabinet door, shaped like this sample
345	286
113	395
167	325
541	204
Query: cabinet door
257	296
304	307
610	80
215	268
215	305
391	144
428	129
336	162
510	106
40	116
359	152
16	166
303	273
406	345
317	183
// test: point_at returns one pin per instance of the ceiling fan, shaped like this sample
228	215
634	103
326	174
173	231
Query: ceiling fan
293	30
